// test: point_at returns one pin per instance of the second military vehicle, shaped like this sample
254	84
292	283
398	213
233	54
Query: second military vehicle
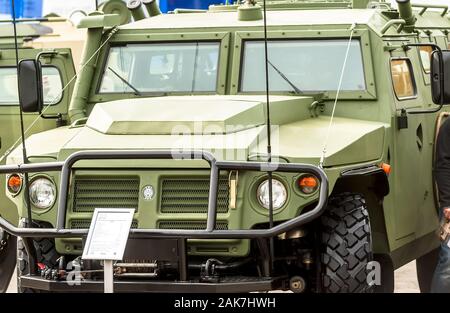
58	44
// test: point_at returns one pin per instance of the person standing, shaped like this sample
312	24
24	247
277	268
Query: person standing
441	278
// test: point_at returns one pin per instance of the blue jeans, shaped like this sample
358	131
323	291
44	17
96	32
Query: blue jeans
441	278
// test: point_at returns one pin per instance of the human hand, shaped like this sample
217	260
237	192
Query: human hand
447	213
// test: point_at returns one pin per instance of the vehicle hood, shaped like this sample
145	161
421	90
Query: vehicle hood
232	128
193	114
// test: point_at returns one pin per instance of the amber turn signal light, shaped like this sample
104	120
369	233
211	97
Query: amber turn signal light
386	168
14	183
308	184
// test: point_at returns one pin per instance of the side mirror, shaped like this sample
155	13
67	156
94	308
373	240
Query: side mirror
30	86
440	77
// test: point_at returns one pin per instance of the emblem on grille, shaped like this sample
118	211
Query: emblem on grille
148	192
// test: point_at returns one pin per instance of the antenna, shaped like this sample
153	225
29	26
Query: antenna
22	129
268	125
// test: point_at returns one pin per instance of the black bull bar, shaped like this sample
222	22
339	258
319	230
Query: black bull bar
209	233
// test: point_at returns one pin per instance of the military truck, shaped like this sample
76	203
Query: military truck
58	44
321	182
58	69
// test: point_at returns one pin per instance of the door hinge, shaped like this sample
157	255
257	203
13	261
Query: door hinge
402	120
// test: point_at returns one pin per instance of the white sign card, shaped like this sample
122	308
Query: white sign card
108	234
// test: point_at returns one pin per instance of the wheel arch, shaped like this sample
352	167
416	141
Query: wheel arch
372	182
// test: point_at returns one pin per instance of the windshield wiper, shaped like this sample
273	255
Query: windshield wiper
296	89
136	91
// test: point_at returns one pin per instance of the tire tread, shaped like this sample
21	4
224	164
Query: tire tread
346	244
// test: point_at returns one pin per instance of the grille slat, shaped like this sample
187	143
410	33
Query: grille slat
110	198
190	225
190	195
83	224
105	192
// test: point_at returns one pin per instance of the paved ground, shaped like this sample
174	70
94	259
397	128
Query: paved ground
405	280
13	285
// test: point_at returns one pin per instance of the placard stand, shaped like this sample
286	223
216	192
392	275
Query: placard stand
109	276
107	239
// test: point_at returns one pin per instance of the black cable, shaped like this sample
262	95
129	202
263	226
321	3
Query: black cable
269	144
22	128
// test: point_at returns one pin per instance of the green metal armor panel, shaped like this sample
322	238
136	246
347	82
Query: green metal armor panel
365	131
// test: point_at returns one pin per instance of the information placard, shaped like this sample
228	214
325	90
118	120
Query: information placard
108	234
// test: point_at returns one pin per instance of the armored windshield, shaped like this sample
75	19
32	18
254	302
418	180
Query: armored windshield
161	67
309	65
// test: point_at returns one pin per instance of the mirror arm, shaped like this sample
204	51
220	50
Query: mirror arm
45	53
441	70
52	117
58	117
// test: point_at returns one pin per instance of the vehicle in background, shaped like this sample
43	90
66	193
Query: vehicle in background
58	44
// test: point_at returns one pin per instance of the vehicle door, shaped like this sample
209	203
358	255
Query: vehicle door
411	153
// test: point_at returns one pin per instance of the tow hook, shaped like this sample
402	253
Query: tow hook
208	271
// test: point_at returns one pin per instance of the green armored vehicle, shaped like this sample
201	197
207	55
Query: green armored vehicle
324	185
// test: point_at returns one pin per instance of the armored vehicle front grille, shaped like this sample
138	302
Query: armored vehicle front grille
190	225
105	192
190	195
84	224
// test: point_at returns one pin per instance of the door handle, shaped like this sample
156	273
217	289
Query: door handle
419	137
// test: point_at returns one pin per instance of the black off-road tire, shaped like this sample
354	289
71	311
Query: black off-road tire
346	245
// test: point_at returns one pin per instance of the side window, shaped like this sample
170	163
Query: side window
51	81
425	57
403	79
8	86
52	85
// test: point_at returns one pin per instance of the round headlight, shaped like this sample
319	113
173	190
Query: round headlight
42	193
279	194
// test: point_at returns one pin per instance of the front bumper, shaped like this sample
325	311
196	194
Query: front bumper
242	284
209	233
183	284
